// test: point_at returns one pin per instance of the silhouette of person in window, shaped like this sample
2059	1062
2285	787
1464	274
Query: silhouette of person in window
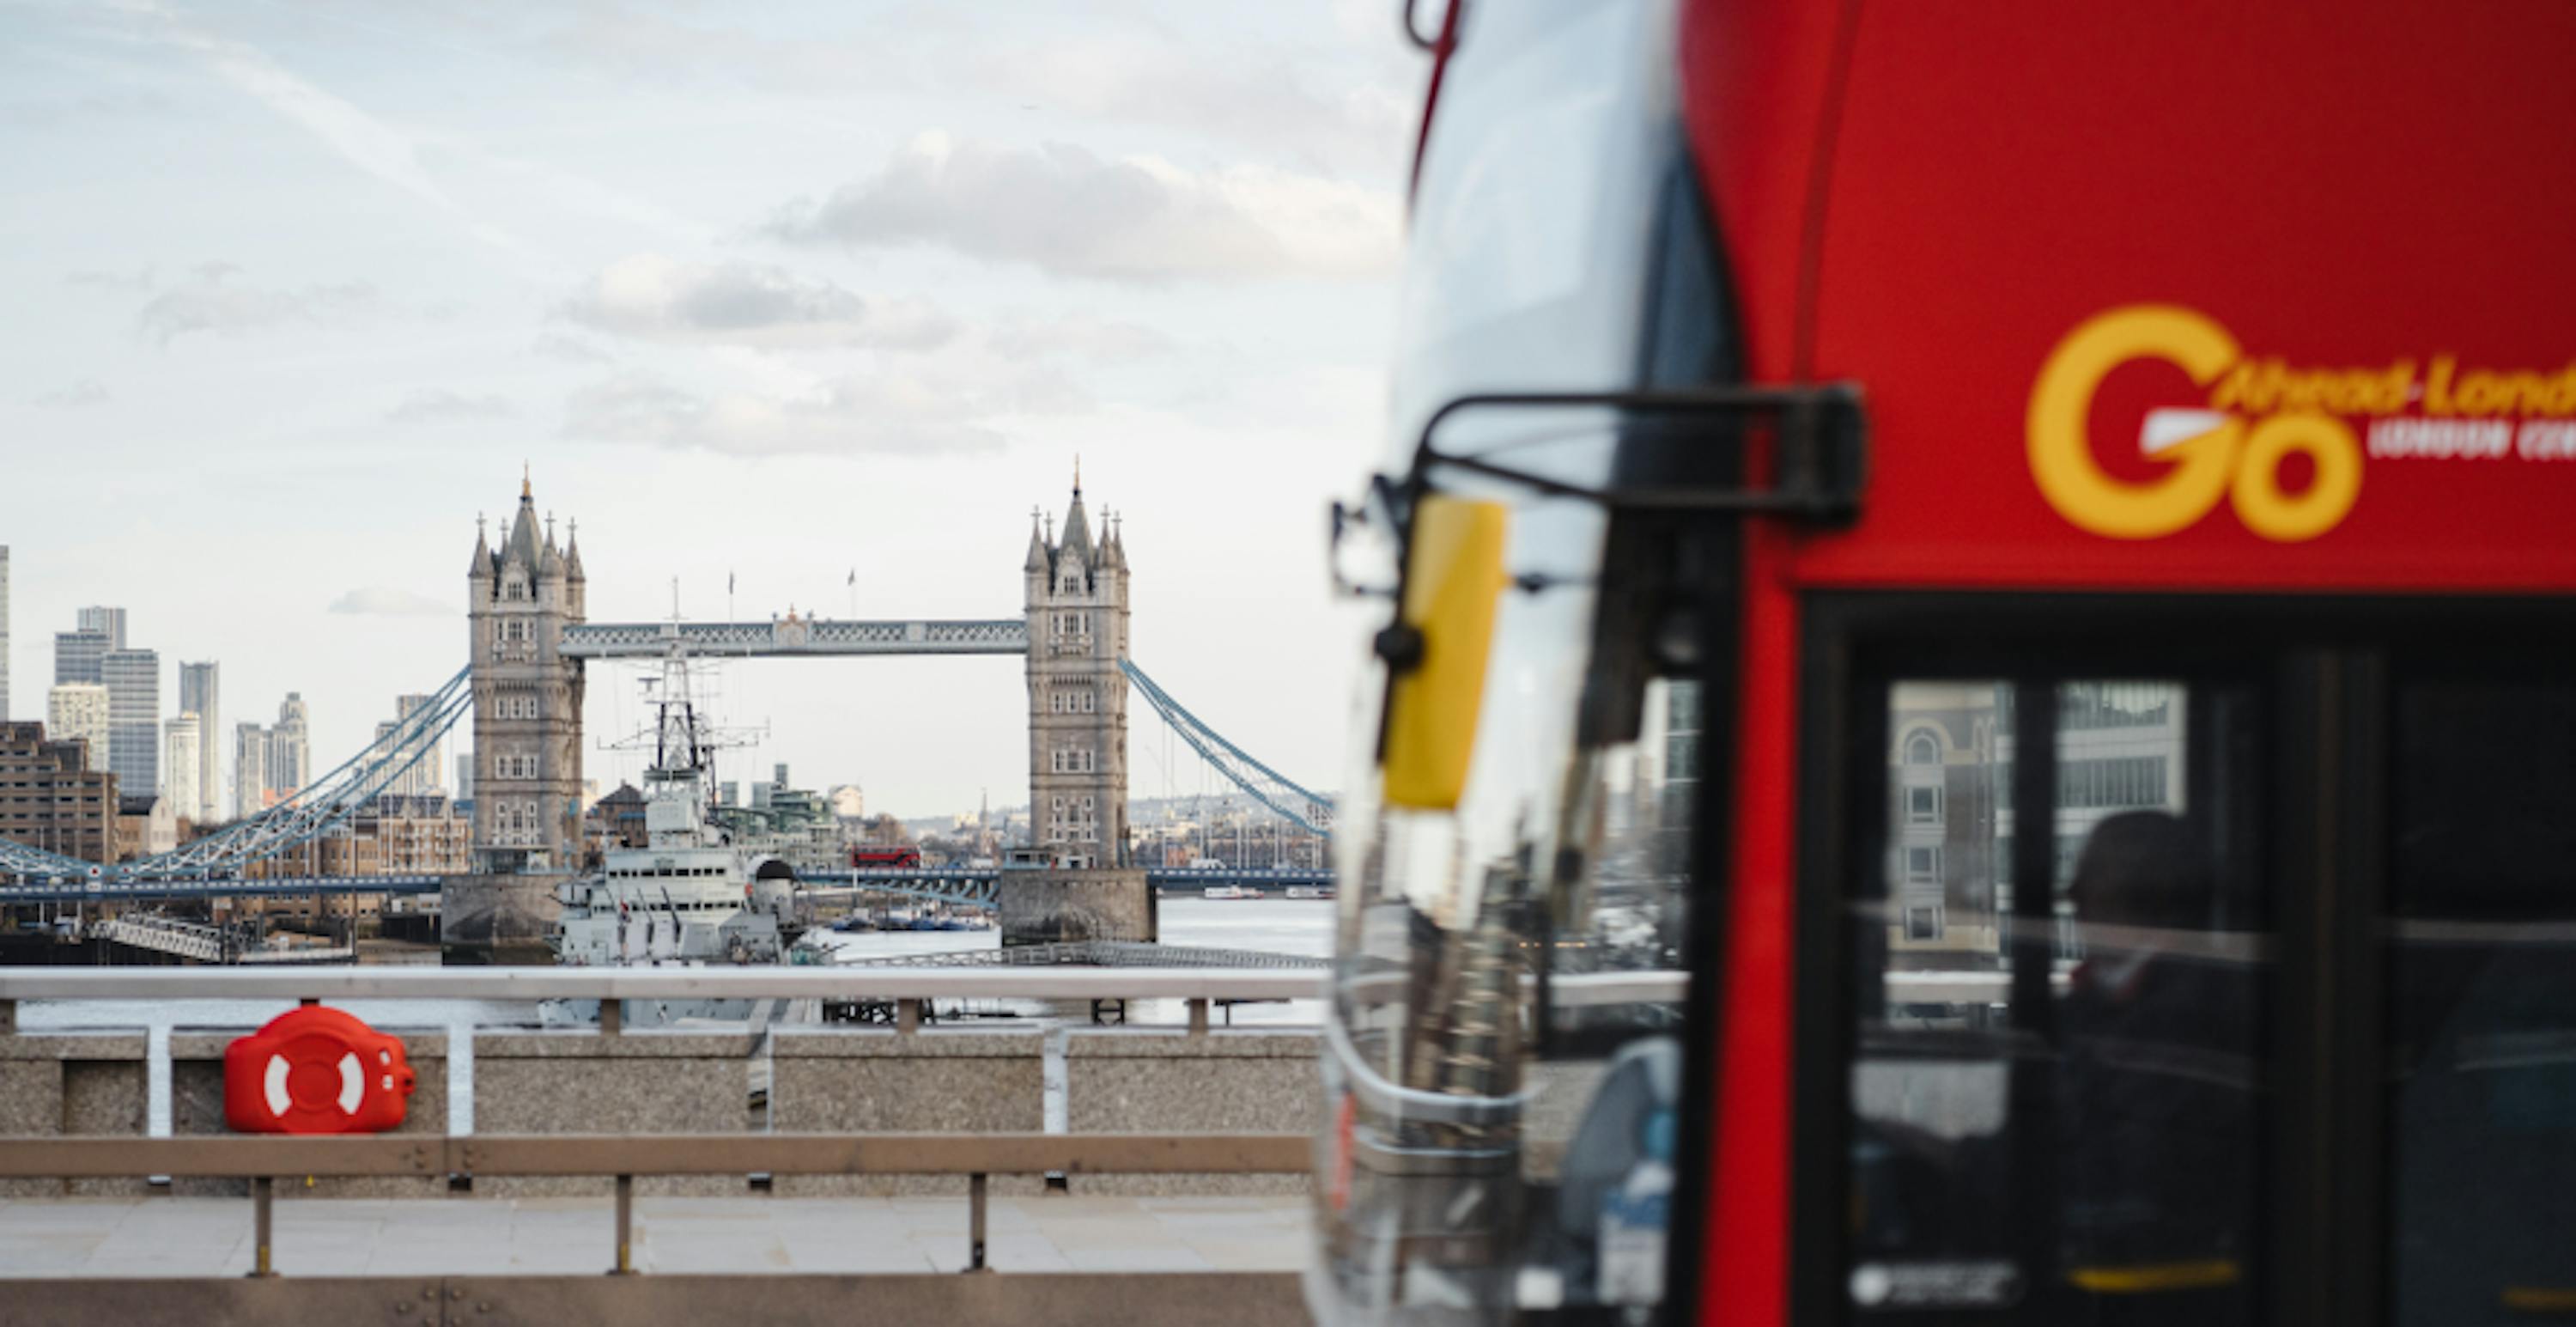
2156	1088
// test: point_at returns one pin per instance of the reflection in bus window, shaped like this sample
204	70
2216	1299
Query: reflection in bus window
2482	1056
2055	1100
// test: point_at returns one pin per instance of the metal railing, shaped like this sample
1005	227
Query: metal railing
625	1156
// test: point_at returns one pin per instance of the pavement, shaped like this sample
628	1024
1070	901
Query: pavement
199	1237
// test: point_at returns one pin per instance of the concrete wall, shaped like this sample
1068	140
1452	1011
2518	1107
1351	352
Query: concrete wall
820	1080
642	1082
498	919
197	1107
964	1081
77	1084
1171	1082
1050	905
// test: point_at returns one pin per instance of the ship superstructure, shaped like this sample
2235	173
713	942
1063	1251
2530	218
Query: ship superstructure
691	895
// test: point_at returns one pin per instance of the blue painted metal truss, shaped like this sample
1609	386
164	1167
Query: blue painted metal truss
313	812
1310	811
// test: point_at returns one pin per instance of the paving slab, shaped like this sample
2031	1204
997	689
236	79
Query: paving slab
160	1236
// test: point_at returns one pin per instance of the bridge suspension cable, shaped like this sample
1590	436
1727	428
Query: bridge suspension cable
1309	811
313	811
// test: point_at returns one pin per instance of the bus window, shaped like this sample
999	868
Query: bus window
2482	1042
2054	1093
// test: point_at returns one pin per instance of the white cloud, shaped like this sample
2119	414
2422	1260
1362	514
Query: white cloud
570	349
918	413
364	141
437	405
655	298
86	392
1078	336
1067	211
383	601
1242	91
211	301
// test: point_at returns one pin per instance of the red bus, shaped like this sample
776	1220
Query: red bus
865	857
1978	716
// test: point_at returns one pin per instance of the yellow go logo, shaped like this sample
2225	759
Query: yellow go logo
2209	452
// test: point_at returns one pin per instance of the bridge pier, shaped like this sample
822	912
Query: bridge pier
498	920
1047	905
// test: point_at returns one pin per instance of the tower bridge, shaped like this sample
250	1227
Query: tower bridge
530	638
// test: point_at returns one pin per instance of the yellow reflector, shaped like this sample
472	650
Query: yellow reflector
1452	580
2150	1278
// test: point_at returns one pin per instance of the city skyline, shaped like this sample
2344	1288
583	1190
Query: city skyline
303	311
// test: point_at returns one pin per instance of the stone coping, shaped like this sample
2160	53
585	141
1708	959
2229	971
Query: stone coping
73	1046
582	1044
210	1045
963	1043
1178	1044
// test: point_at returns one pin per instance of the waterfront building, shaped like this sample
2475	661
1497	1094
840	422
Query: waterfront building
77	711
393	835
199	688
182	745
527	696
1076	600
618	819
55	801
145	826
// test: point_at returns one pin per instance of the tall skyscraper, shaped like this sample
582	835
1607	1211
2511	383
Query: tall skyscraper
200	694
4	633
79	710
109	621
290	746
181	742
1077	612
80	654
133	679
250	770
97	652
425	773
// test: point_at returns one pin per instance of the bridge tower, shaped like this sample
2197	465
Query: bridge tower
527	697
1076	599
1075	586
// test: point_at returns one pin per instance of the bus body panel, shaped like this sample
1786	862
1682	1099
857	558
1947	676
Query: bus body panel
2364	202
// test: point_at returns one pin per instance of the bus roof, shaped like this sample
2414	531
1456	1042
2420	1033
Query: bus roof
2213	296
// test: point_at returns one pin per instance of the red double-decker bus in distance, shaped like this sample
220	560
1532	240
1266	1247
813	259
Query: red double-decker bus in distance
904	858
1977	713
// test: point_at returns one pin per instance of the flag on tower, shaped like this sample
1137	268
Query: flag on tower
854	575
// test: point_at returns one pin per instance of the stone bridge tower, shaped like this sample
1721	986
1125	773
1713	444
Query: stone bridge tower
527	698
1076	599
1082	885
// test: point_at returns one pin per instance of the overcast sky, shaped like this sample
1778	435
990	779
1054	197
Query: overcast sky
774	291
